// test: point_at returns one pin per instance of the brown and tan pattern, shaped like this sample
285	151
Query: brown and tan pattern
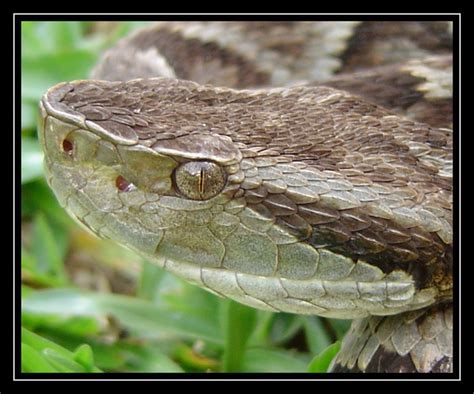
327	203
418	89
414	341
381	43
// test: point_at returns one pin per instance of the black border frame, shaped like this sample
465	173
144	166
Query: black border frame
125	377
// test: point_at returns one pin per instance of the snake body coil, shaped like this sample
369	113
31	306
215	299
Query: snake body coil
304	198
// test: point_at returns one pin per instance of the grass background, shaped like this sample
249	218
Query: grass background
91	306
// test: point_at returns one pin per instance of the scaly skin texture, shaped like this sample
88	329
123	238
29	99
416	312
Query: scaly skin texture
331	205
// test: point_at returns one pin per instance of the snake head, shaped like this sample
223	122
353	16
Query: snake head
115	179
237	191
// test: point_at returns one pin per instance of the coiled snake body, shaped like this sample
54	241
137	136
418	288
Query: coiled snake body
304	198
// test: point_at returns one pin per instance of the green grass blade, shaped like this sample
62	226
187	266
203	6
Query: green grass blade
316	334
33	361
143	318
239	323
322	361
42	355
150	279
47	249
273	360
31	160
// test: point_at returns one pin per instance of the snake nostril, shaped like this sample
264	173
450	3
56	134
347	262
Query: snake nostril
68	147
123	185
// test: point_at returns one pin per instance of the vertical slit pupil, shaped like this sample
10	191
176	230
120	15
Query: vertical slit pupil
201	181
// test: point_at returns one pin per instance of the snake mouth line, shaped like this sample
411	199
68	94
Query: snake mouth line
326	298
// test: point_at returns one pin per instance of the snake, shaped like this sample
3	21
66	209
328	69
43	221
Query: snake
299	167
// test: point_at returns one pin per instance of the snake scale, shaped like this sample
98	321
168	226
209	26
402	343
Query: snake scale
303	167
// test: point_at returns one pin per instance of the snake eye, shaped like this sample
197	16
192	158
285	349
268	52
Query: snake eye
199	180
